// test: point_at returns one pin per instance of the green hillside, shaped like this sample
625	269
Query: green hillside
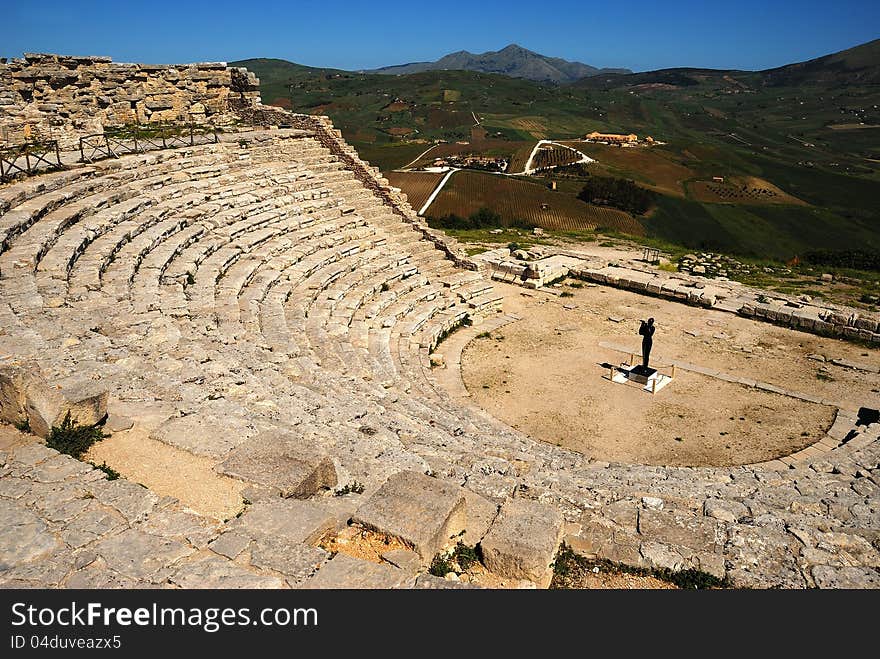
807	129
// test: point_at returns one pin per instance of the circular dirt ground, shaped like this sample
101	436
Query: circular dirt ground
543	375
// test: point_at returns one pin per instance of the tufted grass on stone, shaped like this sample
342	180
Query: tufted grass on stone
461	559
109	472
73	439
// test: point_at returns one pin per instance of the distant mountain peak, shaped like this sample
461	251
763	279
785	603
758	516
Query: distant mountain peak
513	60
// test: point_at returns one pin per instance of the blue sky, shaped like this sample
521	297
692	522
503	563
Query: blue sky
637	34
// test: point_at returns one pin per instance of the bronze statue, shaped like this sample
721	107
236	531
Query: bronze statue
647	332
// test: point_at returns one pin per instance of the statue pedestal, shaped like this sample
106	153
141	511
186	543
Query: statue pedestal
641	374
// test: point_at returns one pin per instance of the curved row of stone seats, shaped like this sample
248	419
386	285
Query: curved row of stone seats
230	291
98	192
51	247
207	216
119	249
321	361
140	226
37	200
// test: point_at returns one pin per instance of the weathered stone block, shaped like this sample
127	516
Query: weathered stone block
827	576
301	522
480	514
344	572
295	465
45	407
523	540
699	533
86	402
214	572
14	384
421	511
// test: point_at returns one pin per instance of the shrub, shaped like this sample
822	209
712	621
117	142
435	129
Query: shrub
619	193
73	439
110	473
856	259
484	218
465	556
440	566
355	487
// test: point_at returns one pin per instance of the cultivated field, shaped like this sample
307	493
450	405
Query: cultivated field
552	155
647	166
741	190
520	157
512	198
417	186
503	148
535	126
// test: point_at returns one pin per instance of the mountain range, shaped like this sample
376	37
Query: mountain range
513	61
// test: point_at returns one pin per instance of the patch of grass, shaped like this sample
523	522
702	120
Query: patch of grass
355	487
566	294
484	335
668	267
73	439
824	377
110	473
466	557
441	565
576	284
569	569
23	426
460	559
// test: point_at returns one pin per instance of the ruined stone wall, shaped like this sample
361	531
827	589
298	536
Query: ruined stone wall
63	98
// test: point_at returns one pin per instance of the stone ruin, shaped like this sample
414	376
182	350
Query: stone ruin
270	304
62	98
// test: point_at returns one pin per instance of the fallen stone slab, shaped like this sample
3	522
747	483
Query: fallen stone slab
345	572
294	465
209	432
827	576
86	401
403	559
480	514
523	540
215	572
301	522
45	408
297	562
26	396
14	383
421	511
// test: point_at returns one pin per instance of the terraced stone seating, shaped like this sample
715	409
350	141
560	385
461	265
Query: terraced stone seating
231	295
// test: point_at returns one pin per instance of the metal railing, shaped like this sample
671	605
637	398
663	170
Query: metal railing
28	159
114	142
